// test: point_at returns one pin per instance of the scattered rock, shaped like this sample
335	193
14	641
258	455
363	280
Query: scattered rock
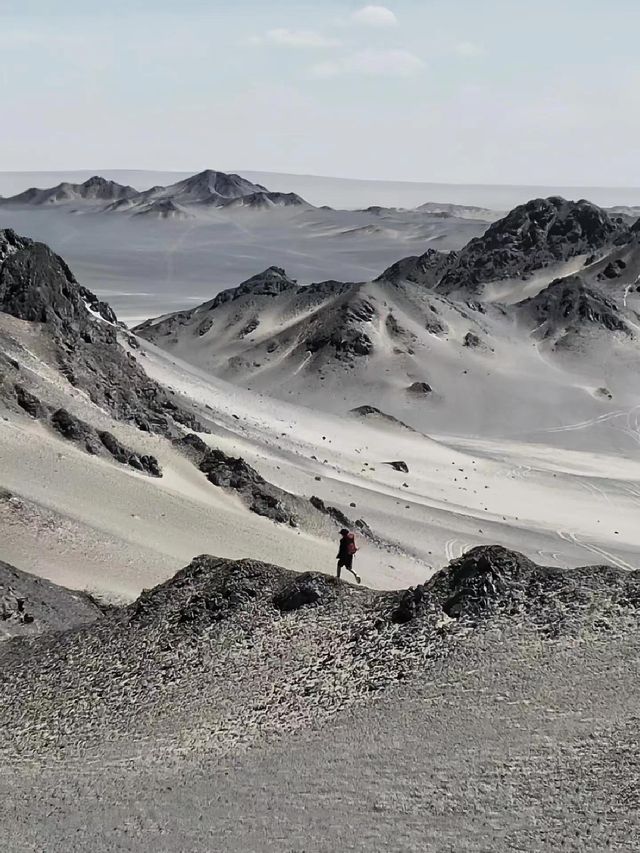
420	389
399	466
29	402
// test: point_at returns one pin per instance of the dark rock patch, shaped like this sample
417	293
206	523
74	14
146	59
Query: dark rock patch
304	590
30	403
93	441
420	389
399	465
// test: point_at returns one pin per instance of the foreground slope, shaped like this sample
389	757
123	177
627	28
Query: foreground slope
441	716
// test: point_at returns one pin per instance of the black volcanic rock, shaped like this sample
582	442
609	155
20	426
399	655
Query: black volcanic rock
272	282
94	441
532	236
492	580
399	465
420	389
240	648
29	402
259	495
569	304
70	427
426	269
36	285
305	590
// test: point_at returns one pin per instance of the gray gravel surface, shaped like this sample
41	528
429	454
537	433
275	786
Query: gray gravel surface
305	715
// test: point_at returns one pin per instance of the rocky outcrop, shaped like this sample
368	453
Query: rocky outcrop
234	473
420	389
374	413
96	442
532	236
36	285
490	581
339	517
427	269
569	305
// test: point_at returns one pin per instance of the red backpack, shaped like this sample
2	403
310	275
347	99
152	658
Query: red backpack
351	544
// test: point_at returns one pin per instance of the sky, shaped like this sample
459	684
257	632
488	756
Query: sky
464	91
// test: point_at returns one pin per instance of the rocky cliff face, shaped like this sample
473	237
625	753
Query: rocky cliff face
37	286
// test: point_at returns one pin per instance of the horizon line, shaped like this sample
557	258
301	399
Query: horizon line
327	177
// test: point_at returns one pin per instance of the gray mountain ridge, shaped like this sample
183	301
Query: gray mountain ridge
205	189
331	322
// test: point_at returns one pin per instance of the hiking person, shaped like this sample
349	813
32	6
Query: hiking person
346	553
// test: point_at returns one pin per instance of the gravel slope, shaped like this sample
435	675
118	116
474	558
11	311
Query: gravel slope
495	708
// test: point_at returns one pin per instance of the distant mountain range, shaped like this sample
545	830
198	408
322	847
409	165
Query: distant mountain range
208	189
197	193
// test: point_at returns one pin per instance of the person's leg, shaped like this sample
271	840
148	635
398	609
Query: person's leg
349	567
339	569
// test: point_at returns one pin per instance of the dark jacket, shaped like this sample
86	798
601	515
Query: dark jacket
343	548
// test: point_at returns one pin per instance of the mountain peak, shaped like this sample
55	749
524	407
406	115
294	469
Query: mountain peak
537	234
211	186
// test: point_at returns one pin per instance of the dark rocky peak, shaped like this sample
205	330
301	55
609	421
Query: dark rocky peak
426	269
100	188
534	235
37	285
211	185
272	282
570	304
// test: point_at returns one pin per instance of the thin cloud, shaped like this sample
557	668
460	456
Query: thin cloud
375	16
382	63
294	38
469	49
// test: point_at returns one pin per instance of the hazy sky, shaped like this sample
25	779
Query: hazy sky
482	91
